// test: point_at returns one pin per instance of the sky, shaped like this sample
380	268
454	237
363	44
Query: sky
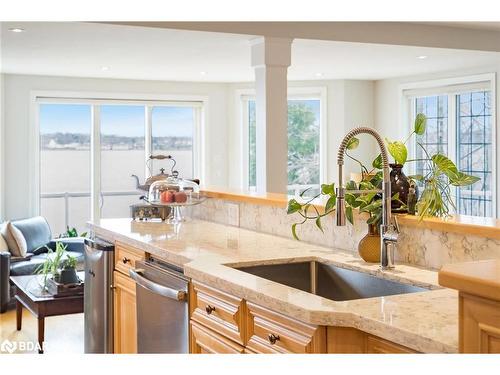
125	120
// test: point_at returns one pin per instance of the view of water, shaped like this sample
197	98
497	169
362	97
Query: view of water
69	171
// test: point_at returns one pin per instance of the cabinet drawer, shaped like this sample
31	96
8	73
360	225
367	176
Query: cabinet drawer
205	341
376	345
219	311
270	332
125	257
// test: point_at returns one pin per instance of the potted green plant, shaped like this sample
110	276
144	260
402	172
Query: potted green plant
434	201
52	265
67	274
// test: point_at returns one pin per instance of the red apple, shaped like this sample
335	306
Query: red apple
167	196
180	197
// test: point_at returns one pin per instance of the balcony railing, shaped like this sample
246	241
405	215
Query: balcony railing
67	195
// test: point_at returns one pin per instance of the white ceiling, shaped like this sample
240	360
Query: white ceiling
82	49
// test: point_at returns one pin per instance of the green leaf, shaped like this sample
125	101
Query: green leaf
372	207
351	185
330	203
445	165
293	207
417	177
420	123
294	232
374	218
366	185
352	143
350	199
364	200
349	215
328	189
318	223
462	179
398	151
377	162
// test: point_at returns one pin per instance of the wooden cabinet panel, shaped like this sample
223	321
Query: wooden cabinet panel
125	257
205	341
218	311
376	345
125	321
351	340
345	340
270	332
479	321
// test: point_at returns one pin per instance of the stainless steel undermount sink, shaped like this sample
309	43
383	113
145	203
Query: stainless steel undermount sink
330	281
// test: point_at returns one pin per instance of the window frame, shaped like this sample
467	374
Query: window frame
452	87
294	93
95	100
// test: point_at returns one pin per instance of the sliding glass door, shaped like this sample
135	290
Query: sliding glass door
122	155
65	165
125	134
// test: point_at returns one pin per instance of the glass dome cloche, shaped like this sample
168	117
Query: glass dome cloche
174	192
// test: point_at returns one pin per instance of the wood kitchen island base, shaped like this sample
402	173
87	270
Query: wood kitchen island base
222	323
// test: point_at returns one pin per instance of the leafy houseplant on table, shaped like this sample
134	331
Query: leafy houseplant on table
434	200
58	267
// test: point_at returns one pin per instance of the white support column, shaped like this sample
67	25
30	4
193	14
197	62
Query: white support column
95	164
271	58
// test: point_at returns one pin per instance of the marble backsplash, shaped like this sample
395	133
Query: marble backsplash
418	246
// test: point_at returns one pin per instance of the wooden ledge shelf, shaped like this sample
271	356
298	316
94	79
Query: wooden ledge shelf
470	225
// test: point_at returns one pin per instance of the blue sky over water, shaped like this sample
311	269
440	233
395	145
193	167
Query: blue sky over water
124	120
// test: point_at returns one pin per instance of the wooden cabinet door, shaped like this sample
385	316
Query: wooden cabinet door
376	345
271	332
479	325
125	321
206	341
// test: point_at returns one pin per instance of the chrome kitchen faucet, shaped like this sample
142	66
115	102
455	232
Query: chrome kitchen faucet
389	232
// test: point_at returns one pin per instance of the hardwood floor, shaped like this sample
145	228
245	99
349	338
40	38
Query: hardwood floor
63	334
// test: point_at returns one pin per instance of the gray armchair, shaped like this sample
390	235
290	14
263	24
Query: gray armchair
38	237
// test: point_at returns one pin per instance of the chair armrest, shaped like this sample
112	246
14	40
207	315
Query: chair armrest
4	280
72	243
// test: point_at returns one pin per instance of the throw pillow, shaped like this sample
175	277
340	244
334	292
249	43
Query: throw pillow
15	240
3	244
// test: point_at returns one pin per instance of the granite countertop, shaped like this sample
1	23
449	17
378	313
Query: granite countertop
424	321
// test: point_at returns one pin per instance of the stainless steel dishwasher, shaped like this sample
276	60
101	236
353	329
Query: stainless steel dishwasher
162	307
98	296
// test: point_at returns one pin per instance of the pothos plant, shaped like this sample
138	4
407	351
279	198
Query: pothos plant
434	200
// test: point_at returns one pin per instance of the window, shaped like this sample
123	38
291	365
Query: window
173	132
65	164
460	125
474	152
122	155
304	156
65	128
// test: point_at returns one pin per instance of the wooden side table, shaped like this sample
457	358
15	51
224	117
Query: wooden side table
29	294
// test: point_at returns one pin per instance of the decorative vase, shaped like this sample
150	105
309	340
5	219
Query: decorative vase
399	184
369	246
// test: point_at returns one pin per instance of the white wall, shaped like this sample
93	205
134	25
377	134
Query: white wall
389	112
18	126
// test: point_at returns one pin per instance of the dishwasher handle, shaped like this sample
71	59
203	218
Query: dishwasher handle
179	295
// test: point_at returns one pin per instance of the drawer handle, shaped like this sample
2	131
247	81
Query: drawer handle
209	309
273	338
125	260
